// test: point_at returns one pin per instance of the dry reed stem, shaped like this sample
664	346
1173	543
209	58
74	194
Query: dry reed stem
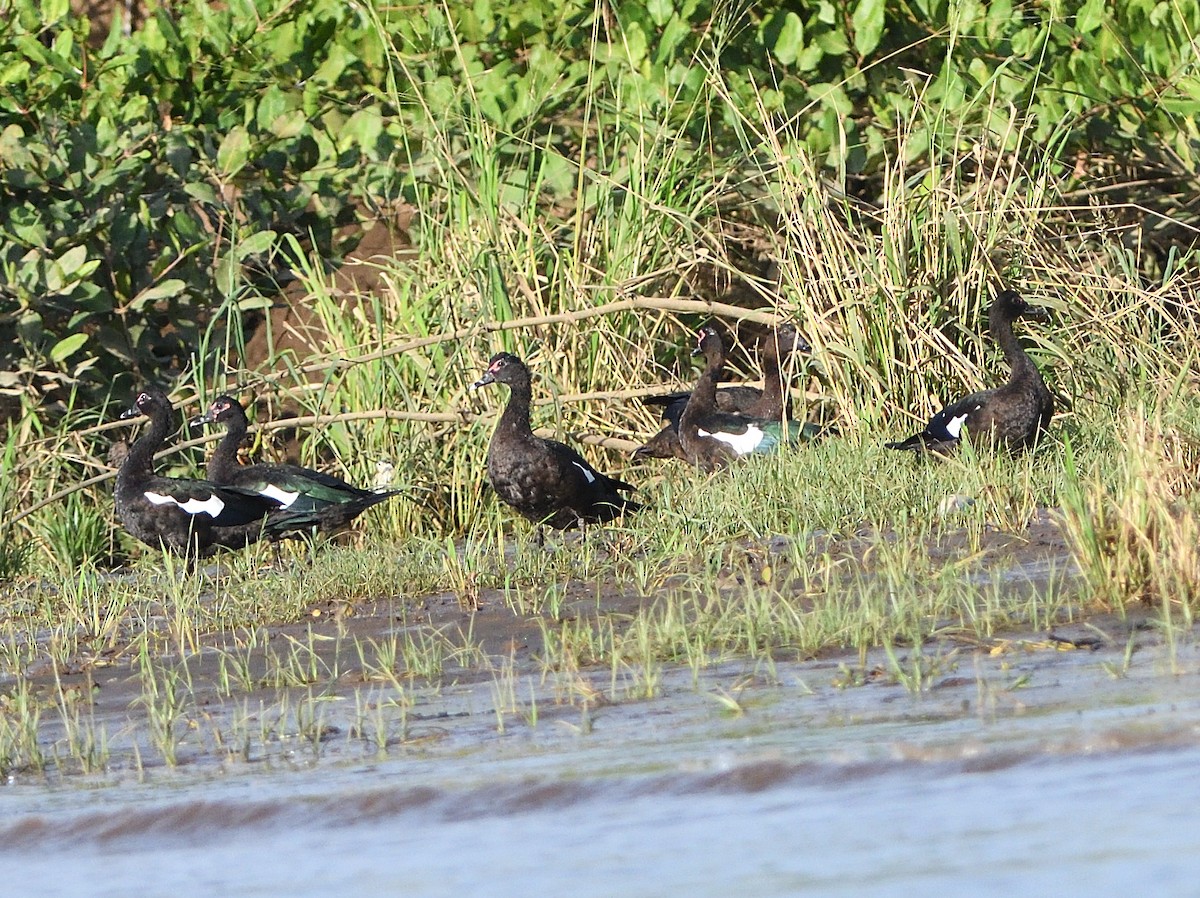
668	304
665	304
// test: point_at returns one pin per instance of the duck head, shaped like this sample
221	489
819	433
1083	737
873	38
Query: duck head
707	339
788	338
147	402
1012	305
222	409
503	368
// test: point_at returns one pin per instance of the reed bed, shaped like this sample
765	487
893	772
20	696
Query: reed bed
838	545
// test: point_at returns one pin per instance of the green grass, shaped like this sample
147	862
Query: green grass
838	546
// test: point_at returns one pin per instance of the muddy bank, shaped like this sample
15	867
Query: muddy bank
1012	773
332	687
991	766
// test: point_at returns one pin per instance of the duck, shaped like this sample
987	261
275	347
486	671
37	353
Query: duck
769	402
545	481
188	517
1013	415
710	439
312	498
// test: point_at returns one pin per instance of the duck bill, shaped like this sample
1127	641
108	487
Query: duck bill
134	412
488	378
206	418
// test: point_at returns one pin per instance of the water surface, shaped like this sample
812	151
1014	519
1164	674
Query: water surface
1035	774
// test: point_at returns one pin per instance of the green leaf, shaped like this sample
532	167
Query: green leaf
14	71
67	346
832	43
256	243
254	303
1190	85
274	102
674	34
809	58
1179	106
64	42
790	42
71	261
338	58
226	275
364	128
202	191
954	243
660	11
831	96
868	25
1090	16
289	124
12	148
234	151
163	290
31	48
55	281
635	43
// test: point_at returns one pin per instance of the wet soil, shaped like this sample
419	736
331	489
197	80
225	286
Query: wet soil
352	710
1048	762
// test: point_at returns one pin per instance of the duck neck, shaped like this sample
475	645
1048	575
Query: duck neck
704	395
139	463
515	418
224	460
772	394
1000	322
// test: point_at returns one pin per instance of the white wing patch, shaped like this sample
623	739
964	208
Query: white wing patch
212	506
954	425
741	443
283	497
591	478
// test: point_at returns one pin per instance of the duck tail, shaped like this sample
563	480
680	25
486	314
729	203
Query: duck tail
914	443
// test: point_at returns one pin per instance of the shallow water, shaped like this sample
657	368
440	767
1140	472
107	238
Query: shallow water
1076	782
1066	827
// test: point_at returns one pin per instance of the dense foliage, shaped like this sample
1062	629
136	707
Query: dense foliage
148	178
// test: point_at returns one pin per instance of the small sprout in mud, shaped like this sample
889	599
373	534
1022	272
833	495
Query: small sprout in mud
1020	682
1118	671
850	677
504	691
311	725
585	725
917	670
728	703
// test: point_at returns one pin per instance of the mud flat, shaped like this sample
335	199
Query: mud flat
1057	760
1030	769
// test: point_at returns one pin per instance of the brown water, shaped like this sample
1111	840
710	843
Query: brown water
1033	773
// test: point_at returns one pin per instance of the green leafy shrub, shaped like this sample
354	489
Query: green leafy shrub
863	167
147	182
